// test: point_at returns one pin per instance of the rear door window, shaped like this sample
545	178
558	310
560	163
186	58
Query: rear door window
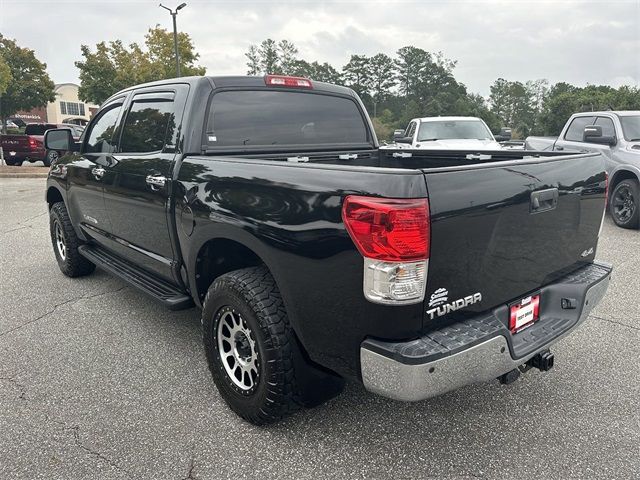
607	126
262	118
576	129
150	123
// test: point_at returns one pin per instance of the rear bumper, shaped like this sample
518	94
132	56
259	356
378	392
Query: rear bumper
481	348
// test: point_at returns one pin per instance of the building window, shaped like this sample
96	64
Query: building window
72	108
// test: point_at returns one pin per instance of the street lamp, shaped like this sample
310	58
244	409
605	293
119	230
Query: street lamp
175	33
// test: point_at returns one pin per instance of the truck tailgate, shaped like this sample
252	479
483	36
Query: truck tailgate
501	231
15	143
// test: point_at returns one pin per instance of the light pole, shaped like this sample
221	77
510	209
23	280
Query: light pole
175	33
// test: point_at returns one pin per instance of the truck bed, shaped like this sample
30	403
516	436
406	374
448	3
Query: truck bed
484	236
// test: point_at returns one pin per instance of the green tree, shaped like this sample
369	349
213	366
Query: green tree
5	75
287	57
26	82
564	99
382	78
113	66
161	53
269	61
253	60
357	74
411	64
514	103
321	72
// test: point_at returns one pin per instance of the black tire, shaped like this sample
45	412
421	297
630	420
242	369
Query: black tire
252	296
624	204
65	243
12	163
50	157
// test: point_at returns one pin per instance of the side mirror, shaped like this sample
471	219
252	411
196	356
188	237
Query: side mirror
59	139
593	134
398	134
404	140
504	135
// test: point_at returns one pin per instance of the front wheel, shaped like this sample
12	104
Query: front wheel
624	204
66	242
250	345
50	158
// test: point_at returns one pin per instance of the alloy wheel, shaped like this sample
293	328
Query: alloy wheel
59	240
237	349
624	204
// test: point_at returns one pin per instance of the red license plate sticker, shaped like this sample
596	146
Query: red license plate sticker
524	313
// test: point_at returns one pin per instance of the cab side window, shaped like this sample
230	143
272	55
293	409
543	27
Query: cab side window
101	137
607	126
150	124
576	129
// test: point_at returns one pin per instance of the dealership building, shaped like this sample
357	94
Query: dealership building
66	108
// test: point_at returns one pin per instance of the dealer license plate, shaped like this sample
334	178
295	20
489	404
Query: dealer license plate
524	313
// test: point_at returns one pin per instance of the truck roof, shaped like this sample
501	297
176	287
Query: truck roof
620	113
446	119
236	81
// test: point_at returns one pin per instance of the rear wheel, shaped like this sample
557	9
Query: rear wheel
624	204
66	242
249	345
254	356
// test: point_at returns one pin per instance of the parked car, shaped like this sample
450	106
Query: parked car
316	256
448	133
29	146
616	135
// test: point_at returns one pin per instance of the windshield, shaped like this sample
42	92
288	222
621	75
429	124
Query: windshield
453	129
268	118
631	127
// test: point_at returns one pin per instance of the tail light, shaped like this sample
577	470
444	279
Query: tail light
285	81
393	237
34	144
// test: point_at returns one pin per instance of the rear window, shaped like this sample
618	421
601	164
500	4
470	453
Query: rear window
269	118
38	128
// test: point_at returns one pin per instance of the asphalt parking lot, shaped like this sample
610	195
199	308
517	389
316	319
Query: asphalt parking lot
99	382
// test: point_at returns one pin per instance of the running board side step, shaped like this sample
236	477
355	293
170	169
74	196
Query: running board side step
159	289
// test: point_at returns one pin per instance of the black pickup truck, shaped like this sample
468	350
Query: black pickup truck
317	256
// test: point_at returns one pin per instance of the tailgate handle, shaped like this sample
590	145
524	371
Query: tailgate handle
543	200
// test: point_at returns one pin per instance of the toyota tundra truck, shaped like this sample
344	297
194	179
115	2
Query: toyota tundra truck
315	256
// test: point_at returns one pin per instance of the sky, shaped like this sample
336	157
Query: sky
580	42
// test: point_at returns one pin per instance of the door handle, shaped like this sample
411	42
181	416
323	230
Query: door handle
98	172
543	200
156	182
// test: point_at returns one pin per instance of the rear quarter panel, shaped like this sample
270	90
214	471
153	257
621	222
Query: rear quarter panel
290	216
